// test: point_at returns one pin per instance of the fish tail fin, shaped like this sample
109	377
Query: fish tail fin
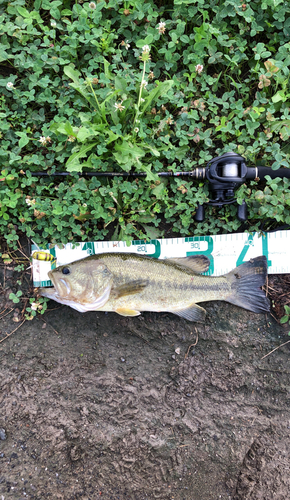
246	281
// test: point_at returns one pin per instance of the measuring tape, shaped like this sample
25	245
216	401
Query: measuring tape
225	252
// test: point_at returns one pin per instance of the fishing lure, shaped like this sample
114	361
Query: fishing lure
44	256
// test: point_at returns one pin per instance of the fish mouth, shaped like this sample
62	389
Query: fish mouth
60	287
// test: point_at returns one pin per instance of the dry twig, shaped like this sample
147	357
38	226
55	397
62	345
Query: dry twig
192	345
6	313
9	334
46	323
275	349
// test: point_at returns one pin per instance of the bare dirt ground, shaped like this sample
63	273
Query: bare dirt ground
96	406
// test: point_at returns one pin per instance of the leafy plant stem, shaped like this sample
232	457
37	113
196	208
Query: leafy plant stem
96	99
140	93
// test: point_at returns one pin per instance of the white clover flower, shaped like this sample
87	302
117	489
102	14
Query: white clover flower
92	5
136	130
118	106
146	49
71	138
85	205
44	140
127	45
30	202
161	28
10	85
199	68
144	84
34	306
53	23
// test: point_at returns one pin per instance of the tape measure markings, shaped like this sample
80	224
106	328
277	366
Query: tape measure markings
224	251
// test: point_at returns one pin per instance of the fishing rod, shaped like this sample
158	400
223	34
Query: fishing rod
224	174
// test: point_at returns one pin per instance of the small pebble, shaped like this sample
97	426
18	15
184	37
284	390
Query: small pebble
3	434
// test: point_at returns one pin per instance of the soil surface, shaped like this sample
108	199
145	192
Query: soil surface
97	406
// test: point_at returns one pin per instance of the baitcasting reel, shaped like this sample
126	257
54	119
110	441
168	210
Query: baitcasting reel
225	173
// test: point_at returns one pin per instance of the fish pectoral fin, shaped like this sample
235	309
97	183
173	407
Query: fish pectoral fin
123	311
197	263
192	313
128	288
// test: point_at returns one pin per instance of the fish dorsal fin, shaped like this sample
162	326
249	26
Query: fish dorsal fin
197	263
192	313
128	288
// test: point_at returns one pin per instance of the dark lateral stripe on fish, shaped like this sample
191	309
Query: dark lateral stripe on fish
218	287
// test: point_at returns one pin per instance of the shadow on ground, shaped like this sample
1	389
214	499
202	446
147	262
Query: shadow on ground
96	405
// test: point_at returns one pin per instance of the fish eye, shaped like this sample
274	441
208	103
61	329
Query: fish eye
65	270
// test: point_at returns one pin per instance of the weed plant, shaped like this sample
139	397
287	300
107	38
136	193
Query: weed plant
145	86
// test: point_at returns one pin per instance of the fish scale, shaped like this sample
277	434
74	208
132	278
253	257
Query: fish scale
162	274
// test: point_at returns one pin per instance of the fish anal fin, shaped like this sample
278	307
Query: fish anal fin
197	263
192	313
123	311
129	288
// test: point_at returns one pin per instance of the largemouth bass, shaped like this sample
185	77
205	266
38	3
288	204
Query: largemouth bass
128	283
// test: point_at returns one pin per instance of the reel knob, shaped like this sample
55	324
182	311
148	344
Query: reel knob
242	212
199	214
